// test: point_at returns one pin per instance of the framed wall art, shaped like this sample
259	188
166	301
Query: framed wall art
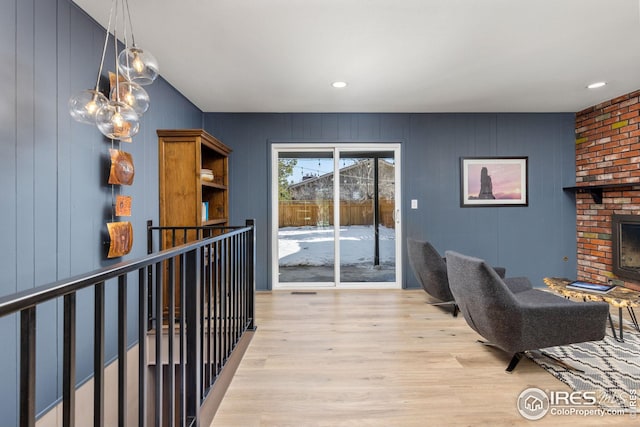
493	181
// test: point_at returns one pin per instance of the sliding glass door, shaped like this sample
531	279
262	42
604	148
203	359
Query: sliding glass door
305	233
367	216
335	215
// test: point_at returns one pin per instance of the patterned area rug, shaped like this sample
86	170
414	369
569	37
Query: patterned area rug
611	369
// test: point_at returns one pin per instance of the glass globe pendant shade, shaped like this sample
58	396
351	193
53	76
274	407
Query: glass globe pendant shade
117	120
133	95
138	65
84	106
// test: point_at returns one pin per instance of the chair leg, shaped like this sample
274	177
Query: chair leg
516	358
456	310
514	362
558	361
442	303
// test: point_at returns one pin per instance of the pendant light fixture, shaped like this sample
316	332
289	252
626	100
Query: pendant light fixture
138	65
117	120
84	106
119	116
133	95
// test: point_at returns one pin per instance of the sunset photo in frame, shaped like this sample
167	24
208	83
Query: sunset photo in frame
493	181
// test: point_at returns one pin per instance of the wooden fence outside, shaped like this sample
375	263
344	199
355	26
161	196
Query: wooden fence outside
299	213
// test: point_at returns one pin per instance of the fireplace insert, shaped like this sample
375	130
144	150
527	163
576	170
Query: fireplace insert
625	236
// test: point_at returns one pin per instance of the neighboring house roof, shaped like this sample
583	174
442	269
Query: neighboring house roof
353	175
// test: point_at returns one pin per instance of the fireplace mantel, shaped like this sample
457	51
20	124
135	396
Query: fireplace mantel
596	190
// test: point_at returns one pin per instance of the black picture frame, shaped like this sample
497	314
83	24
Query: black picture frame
494	181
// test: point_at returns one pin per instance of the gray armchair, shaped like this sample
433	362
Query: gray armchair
517	322
431	271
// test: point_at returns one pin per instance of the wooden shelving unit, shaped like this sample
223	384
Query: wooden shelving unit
182	154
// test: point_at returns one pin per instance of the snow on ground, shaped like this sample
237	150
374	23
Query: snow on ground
314	245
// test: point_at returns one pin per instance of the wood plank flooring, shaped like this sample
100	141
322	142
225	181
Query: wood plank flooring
376	358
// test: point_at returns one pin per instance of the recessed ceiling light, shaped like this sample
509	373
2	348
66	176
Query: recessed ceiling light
339	85
596	85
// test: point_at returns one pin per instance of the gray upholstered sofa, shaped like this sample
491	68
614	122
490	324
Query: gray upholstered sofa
516	322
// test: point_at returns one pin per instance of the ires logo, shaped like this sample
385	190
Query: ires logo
533	403
576	398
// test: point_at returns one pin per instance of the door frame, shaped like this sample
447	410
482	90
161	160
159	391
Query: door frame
336	148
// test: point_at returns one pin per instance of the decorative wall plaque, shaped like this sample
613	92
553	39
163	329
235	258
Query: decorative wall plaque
123	205
121	238
122	170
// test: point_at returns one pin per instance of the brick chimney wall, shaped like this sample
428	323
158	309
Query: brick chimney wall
607	152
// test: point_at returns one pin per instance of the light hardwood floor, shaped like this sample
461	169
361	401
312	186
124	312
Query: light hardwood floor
377	358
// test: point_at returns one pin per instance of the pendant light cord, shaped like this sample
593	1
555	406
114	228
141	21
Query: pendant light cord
133	38
104	48
115	51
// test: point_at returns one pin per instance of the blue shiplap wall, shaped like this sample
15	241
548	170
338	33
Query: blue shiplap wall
53	172
530	241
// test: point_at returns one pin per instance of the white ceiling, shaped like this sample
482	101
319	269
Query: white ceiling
396	55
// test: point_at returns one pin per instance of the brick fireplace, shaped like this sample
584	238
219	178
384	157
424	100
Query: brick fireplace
608	158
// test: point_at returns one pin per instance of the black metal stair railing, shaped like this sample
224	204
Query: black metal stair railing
222	302
215	279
